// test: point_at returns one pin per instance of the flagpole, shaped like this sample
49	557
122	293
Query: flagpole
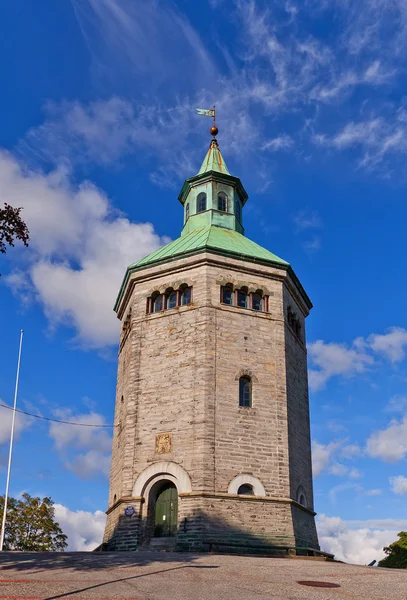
3	525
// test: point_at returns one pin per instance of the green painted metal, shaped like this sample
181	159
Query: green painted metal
166	512
208	238
214	231
214	161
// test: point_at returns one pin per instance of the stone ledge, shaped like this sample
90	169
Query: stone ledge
244	497
124	500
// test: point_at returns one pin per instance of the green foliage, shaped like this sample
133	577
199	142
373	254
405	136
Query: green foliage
12	227
31	526
396	553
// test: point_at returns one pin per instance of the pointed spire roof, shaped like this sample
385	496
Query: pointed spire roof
214	160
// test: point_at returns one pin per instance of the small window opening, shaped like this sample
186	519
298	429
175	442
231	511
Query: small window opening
222	202
245	391
257	302
227	295
114	499
172	300
186	296
246	490
242	299
201	202
158	303
302	500
187	212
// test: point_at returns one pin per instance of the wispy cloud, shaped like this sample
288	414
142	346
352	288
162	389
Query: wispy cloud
333	359
138	37
307	219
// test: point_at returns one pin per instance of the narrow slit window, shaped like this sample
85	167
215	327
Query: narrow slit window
222	202
201	202
187	212
245	391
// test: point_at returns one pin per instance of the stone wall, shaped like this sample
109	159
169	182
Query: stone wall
179	372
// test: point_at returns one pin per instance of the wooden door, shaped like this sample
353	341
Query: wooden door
166	512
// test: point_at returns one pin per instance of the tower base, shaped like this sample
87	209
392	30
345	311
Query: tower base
215	522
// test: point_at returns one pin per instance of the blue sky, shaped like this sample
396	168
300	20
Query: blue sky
98	133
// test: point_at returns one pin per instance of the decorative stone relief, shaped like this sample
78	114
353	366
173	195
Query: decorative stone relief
163	443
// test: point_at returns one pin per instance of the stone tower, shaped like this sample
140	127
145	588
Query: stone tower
212	440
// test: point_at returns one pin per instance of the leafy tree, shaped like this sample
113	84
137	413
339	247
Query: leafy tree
12	227
396	553
31	525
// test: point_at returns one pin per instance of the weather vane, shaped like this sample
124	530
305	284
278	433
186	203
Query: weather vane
211	112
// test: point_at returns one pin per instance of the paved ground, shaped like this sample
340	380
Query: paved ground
176	576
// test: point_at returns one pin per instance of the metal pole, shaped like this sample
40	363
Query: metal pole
3	525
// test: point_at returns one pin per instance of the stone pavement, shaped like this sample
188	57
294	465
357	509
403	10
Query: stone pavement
179	576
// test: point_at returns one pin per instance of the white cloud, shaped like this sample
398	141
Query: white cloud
357	542
351	450
69	440
321	456
79	251
399	485
335	359
391	345
282	142
375	492
84	529
390	444
329	359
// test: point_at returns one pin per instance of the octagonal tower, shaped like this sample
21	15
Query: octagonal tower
211	447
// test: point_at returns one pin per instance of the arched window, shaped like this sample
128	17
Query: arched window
246	490
242	298
227	295
187	212
171	299
245	391
185	296
201	202
301	497
238	210
257	302
157	303
222	202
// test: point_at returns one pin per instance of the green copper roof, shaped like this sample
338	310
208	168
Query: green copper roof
209	239
213	160
225	241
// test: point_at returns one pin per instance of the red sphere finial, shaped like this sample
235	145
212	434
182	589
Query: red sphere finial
214	130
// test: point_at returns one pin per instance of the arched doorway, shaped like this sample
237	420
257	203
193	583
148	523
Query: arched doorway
166	510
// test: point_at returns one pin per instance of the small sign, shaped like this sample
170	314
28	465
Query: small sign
129	511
